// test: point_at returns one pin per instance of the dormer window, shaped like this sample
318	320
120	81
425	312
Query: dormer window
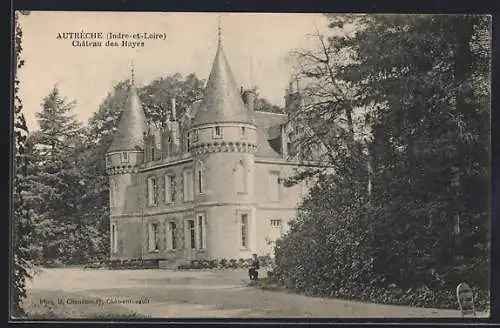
170	145
124	157
152	153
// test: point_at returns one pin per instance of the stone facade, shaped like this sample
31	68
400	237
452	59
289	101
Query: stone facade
208	185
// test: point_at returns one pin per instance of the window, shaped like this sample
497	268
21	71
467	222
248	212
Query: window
113	242
201	231
274	186
199	177
244	230
172	236
275	233
170	146
276	223
188	185
200	180
196	135
241	178
124	157
153	235
218	132
152	152
243	130
188	141
192	234
170	188
152	188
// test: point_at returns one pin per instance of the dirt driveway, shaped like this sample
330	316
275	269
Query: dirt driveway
82	293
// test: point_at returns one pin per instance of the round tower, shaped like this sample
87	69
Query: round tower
223	139
123	158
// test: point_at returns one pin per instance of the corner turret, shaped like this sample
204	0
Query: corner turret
124	156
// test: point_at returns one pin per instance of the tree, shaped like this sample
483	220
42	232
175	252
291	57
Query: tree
263	105
424	129
55	178
22	225
157	96
329	121
422	80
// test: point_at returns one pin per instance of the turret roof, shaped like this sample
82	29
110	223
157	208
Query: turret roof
222	100
132	125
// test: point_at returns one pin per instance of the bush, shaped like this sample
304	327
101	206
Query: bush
130	264
213	263
223	263
265	260
350	250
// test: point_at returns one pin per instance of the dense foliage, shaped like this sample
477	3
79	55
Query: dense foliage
21	223
405	218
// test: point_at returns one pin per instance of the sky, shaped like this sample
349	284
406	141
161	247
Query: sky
257	47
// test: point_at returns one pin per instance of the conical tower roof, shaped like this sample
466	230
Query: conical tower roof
132	126
222	100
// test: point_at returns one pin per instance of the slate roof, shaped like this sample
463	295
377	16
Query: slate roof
222	100
132	125
268	133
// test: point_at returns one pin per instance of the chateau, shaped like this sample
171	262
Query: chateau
207	185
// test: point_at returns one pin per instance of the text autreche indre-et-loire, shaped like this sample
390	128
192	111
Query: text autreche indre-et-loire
96	39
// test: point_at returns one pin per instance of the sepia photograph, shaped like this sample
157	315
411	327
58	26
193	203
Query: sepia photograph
250	165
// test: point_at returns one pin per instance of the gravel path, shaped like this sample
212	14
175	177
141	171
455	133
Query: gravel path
167	294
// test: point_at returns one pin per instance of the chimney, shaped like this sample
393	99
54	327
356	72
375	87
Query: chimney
249	98
174	114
